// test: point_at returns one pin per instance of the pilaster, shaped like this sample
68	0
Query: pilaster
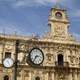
70	75
53	76
30	76
46	76
76	76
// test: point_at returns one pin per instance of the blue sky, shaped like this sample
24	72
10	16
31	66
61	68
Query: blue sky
28	17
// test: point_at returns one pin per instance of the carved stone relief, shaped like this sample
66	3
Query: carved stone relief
59	47
8	47
22	47
21	57
59	30
73	58
61	76
49	58
26	73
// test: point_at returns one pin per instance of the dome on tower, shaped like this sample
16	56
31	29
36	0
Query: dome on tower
59	7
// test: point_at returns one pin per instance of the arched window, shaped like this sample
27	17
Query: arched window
6	77
60	59
49	27
37	78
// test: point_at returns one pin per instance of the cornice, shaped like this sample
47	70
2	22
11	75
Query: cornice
41	40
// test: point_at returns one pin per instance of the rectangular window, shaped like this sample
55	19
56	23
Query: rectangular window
7	54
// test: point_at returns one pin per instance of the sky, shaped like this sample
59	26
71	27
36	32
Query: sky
27	17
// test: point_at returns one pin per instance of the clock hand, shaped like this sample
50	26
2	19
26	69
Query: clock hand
35	58
8	62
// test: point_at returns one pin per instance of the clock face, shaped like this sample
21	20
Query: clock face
8	62
36	56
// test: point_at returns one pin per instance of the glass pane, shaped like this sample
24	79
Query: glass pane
60	59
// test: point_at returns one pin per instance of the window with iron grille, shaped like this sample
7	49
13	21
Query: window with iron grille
7	54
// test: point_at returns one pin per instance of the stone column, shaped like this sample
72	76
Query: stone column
49	75
53	76
0	58
1	74
75	75
29	76
46	76
21	75
70	75
76	78
79	75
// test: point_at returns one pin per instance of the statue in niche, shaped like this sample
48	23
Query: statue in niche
49	58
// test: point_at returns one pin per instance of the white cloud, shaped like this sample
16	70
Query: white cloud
29	3
77	36
47	1
10	28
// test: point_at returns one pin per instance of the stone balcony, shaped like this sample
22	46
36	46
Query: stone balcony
61	64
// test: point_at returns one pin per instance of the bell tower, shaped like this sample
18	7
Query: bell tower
58	22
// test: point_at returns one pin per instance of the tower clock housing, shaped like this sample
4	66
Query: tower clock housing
58	22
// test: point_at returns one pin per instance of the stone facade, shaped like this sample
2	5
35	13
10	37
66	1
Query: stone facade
61	52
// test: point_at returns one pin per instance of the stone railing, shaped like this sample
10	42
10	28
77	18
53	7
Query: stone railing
61	64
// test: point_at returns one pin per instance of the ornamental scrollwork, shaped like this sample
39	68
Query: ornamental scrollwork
8	47
73	58
59	30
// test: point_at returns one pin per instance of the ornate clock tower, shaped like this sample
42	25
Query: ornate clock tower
58	24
